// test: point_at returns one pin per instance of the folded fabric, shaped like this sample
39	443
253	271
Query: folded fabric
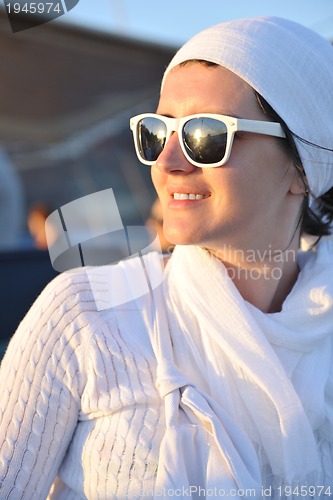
248	395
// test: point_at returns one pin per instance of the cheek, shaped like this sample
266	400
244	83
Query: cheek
253	185
155	179
159	179
264	167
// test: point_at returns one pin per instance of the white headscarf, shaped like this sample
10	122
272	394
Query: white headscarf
292	68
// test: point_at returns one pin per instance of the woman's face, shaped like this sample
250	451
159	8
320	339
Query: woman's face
248	201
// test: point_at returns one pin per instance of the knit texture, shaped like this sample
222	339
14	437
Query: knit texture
83	413
85	390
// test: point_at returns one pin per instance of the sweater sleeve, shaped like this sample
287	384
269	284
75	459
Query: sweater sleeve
41	382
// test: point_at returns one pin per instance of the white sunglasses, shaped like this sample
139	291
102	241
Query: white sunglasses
206	139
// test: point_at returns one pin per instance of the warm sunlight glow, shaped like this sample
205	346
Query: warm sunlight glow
197	135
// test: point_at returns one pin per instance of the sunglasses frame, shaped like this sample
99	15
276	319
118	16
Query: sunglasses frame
232	124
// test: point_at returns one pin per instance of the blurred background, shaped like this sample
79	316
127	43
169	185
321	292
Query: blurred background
67	90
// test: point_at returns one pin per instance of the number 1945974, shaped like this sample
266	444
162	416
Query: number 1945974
34	8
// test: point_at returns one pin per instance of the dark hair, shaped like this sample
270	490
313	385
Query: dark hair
316	223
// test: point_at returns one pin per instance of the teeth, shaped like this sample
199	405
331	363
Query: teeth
191	196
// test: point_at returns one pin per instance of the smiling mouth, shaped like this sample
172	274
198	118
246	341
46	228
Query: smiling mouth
190	196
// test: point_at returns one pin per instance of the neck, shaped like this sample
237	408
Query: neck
263	278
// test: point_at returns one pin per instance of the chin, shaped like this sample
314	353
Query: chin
181	237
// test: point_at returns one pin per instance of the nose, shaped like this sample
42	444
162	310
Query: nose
172	158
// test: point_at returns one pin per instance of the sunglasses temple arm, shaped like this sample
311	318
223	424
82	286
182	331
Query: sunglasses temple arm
261	127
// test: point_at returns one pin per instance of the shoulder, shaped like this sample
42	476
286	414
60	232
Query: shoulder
63	298
96	301
95	298
56	326
316	254
313	290
125	284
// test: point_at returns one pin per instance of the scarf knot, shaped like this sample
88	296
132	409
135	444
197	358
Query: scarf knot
239	412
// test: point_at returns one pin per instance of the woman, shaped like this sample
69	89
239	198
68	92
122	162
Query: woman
218	383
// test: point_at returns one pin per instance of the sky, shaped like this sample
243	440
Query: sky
172	22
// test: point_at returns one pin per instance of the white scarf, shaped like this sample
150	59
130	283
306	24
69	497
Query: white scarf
248	396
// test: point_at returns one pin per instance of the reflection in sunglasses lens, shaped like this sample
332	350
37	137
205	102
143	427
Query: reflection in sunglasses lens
152	135
205	139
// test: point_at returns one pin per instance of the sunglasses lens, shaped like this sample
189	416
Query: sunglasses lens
151	137
205	139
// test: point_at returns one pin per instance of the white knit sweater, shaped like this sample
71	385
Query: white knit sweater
81	415
84	386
